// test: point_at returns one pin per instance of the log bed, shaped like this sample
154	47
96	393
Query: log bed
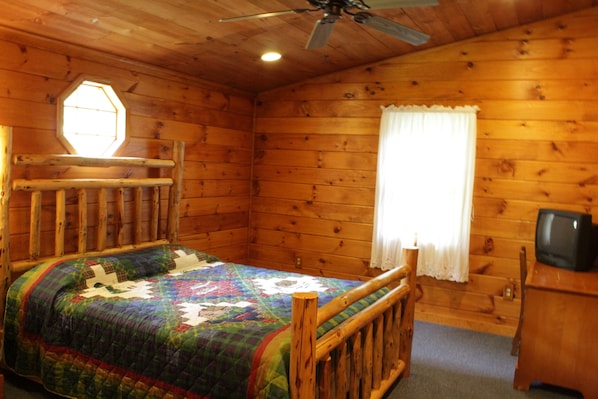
362	357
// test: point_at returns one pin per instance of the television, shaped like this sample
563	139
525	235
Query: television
565	239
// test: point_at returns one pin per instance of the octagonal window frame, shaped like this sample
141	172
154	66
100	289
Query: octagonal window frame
92	118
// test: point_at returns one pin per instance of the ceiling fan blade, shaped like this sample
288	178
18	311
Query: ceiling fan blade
320	34
392	28
380	4
266	15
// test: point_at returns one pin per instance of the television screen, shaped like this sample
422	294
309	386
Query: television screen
565	239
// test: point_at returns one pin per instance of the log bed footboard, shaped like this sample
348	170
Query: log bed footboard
363	356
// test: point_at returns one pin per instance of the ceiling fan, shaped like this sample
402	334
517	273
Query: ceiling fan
334	9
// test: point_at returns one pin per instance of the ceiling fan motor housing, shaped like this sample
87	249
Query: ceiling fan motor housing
336	6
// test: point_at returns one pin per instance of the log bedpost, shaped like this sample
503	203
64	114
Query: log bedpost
406	329
174	198
303	345
5	191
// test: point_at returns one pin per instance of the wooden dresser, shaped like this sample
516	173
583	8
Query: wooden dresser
559	335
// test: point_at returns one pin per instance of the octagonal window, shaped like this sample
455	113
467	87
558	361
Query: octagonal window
92	119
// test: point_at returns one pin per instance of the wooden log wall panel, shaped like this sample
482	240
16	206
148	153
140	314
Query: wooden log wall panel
306	225
216	123
307	192
351	213
311	262
227	243
215	188
536	87
332	177
316	243
215	222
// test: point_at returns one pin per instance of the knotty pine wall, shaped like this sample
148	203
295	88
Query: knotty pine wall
537	146
312	181
215	122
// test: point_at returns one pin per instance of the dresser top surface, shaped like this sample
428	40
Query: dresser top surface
543	276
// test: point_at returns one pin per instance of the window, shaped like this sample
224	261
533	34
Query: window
91	119
424	188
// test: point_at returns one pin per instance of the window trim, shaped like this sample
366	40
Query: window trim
121	136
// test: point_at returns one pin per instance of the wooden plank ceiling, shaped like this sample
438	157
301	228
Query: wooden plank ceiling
186	35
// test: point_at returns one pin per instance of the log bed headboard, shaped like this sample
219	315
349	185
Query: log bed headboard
155	218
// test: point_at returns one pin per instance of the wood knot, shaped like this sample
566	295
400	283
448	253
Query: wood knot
506	166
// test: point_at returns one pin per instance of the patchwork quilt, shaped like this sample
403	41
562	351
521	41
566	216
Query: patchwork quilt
162	322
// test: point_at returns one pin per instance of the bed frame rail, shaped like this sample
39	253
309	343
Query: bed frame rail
363	356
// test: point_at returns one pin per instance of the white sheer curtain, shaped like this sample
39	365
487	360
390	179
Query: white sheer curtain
424	188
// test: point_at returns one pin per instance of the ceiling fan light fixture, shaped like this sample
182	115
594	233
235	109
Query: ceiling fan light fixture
271	56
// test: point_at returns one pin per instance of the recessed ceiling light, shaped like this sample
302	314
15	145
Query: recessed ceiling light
271	56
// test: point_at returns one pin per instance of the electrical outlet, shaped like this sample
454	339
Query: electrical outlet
508	292
298	261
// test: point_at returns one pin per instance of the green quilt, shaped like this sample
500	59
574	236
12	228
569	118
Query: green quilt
163	322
